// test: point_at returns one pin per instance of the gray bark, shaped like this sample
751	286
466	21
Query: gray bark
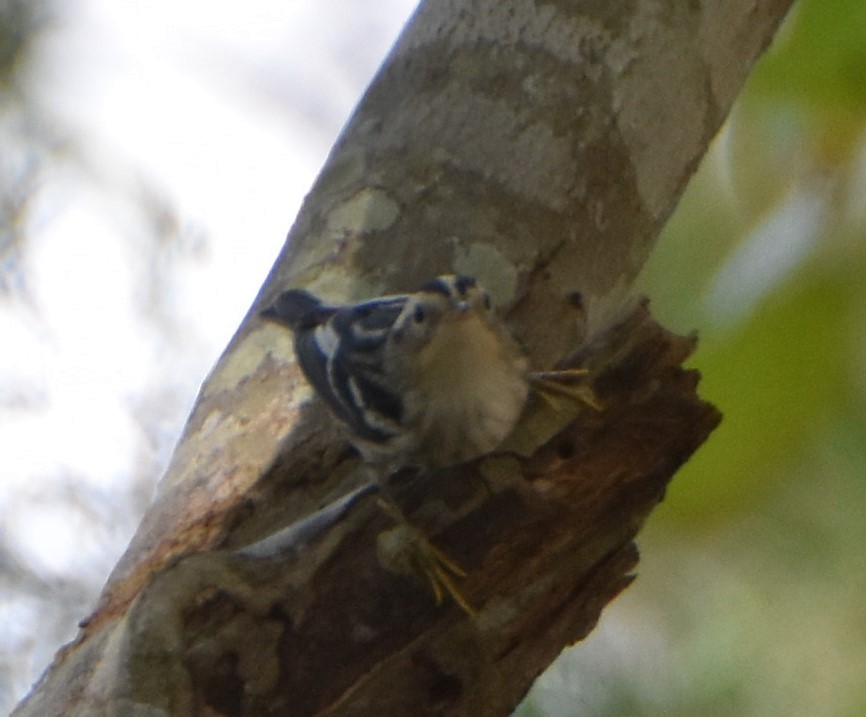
539	146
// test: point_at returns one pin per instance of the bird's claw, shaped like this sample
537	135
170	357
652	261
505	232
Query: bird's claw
407	551
553	385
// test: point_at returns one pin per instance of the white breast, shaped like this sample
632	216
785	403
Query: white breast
471	390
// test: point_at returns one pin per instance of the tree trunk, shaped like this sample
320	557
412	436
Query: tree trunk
539	147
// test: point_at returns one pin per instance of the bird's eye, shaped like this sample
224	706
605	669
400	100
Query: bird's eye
420	314
463	284
487	304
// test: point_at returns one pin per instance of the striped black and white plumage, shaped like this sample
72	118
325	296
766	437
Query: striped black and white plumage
428	379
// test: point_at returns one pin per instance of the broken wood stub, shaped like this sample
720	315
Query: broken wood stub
546	540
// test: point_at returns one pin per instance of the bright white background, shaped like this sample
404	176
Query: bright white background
174	142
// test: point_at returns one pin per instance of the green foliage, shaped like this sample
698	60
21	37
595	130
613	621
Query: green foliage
749	597
818	62
782	379
817	71
789	368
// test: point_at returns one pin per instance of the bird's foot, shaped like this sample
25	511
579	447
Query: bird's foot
569	384
407	551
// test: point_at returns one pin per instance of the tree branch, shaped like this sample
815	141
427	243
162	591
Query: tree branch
539	147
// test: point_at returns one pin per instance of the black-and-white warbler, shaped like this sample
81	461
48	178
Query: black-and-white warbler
423	380
428	379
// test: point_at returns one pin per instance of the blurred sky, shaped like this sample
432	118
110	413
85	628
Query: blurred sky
182	138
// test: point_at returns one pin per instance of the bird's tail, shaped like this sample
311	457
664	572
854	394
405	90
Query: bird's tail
297	309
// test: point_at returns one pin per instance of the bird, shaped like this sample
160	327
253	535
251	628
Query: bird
422	380
427	380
